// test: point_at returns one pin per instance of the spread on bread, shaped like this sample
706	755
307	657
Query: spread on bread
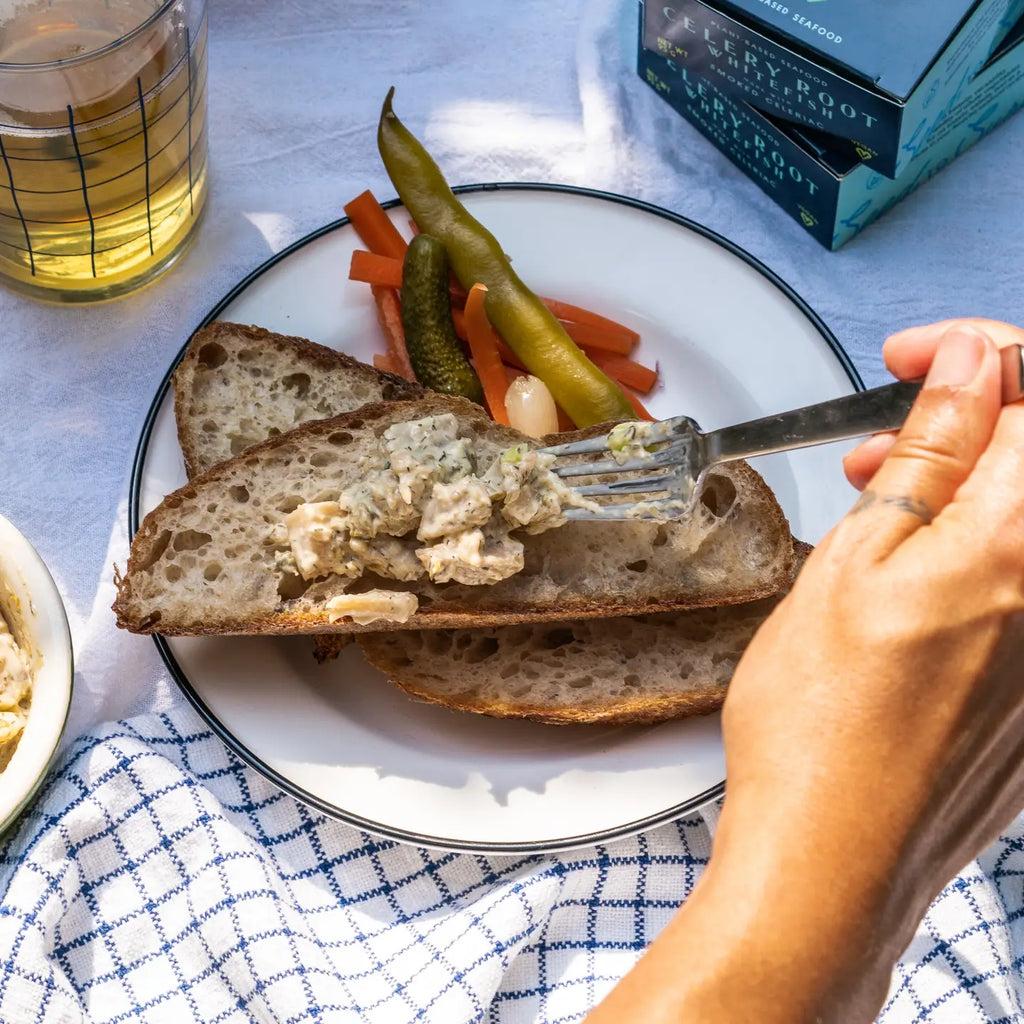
423	507
15	688
372	606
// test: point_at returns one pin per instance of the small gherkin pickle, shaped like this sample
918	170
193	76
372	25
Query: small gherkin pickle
434	349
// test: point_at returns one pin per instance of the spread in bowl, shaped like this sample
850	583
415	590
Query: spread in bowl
15	692
36	671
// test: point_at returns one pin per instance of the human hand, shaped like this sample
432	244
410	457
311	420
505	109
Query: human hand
879	712
874	729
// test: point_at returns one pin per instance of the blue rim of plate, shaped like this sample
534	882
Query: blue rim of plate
316	803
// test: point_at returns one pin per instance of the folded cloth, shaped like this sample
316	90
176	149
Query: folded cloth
157	878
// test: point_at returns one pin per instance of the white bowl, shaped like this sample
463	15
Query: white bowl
32	606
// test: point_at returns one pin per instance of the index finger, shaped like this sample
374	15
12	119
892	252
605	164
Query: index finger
910	352
948	429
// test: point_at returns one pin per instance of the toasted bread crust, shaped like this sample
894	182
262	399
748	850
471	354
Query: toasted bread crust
641	711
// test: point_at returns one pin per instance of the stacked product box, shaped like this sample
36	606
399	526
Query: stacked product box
837	180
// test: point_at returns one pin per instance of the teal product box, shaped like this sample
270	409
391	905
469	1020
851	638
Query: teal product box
818	179
881	73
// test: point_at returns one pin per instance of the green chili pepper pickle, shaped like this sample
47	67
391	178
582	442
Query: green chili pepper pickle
527	326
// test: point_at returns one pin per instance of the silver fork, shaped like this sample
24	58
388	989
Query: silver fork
676	455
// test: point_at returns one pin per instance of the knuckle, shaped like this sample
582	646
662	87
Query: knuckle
999	575
939	449
942	428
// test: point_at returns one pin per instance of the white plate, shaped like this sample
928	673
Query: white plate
732	341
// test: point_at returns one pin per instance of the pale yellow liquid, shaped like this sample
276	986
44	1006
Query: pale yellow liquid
107	194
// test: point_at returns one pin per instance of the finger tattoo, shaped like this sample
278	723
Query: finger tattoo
907	503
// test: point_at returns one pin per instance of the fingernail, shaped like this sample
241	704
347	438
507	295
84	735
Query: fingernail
957	359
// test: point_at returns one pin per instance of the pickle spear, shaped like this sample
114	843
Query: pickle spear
527	326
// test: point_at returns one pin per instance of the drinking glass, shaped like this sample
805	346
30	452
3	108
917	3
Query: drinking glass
103	142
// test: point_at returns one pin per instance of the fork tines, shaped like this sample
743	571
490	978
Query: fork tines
665	445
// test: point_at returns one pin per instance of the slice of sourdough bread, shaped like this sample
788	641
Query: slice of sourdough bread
628	670
237	385
206	560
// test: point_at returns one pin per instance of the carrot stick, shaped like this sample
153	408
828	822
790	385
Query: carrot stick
588	336
374	226
607	343
483	345
579	315
389	313
376	268
588	331
386	362
638	406
626	371
373	268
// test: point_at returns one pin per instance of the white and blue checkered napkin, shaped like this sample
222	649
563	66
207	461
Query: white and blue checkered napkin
158	879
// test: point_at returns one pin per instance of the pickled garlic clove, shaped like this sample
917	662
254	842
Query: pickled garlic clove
530	406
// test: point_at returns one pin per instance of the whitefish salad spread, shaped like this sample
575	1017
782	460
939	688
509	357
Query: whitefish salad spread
423	507
15	692
630	440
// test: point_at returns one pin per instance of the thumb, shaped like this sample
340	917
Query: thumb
948	428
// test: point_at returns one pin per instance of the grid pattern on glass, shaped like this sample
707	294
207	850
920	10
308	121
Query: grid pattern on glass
94	193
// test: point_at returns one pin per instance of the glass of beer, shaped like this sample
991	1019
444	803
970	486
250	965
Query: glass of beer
103	142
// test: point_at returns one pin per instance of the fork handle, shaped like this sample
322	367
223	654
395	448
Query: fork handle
839	419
